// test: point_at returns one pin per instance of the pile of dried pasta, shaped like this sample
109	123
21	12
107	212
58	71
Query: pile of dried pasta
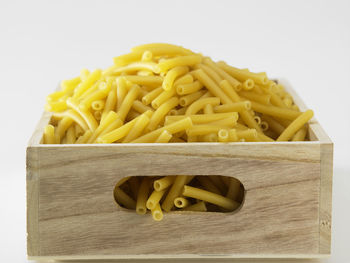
166	93
162	93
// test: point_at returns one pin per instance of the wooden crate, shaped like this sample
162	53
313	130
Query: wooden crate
71	212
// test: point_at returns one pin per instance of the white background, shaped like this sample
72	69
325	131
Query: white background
42	42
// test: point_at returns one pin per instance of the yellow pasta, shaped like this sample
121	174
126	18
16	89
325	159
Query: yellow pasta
137	128
120	132
160	113
124	199
86	84
86	115
127	58
110	103
95	96
264	126
174	192
248	84
211	86
163	97
142	196
234	82
188	99
163	183
171	76
110	118
140	107
210	197
181	202
49	134
203	129
273	124
261	98
134	186
210	72
164	137
189	60
223	135
128	101
243	74
233	135
70	135
164	93
218	183
199	207
133	67
202	118
300	135
188	88
233	107
246	117
275	111
122	90
297	124
149	97
172	128
199	104
233	189
157	213
152	81
208	109
63	126
249	135
230	121
154	199
84	138
56	106
162	49
98	105
70	84
89	91
147	56
186	79
208	184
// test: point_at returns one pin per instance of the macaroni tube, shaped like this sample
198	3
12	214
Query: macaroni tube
297	124
209	197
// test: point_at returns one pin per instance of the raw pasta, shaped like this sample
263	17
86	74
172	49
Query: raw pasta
164	93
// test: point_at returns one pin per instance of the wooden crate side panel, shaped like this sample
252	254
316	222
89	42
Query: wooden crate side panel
78	215
326	198
326	187
85	169
32	180
263	221
326	151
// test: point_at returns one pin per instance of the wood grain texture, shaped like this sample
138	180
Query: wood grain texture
326	187
32	202
286	212
78	215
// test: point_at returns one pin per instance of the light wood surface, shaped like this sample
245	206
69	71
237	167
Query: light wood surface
286	212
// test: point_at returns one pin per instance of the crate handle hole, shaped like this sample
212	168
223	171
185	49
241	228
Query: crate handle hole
180	193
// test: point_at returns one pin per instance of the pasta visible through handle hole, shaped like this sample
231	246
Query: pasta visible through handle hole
158	195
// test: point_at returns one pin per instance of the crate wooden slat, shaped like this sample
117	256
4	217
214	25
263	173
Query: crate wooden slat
71	212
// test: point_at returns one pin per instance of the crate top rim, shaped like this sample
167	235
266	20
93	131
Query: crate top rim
200	144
